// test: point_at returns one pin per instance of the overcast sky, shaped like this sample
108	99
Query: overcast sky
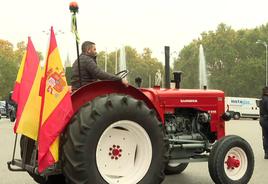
138	23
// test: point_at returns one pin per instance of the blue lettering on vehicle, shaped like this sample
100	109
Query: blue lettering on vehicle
242	102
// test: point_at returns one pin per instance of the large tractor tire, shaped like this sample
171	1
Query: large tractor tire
231	161
114	139
53	179
174	167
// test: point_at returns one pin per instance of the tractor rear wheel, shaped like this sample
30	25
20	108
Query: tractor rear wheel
114	139
232	161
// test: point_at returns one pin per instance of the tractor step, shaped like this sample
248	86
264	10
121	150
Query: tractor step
21	166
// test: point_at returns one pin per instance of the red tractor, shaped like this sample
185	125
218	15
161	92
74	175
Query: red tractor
128	135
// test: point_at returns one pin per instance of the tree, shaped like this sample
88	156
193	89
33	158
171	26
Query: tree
8	72
10	59
139	65
235	63
8	68
68	74
187	62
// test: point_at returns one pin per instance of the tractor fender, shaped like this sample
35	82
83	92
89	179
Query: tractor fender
95	89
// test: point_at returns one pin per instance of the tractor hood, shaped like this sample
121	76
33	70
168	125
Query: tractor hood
194	94
168	99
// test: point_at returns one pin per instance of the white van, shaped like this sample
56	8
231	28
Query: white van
242	107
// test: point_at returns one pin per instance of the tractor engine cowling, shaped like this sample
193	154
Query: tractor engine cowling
188	129
183	124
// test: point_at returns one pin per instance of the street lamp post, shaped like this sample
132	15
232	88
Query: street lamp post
266	57
115	61
105	61
56	32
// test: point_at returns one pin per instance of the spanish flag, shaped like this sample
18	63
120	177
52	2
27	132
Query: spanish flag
26	94
56	107
16	90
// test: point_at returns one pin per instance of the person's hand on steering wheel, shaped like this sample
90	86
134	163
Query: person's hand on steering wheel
122	75
125	82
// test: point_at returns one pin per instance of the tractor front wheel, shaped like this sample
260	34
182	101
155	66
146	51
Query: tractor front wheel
231	161
114	139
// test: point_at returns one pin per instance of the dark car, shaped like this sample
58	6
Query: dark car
3	109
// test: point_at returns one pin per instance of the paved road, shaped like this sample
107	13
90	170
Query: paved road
196	173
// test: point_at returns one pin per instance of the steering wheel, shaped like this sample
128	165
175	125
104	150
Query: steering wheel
122	74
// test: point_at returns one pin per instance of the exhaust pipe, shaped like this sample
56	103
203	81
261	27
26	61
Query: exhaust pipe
167	68
177	79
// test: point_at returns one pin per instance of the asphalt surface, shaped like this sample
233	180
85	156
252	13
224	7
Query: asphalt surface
195	173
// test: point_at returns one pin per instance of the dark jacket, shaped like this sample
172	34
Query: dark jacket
89	72
264	111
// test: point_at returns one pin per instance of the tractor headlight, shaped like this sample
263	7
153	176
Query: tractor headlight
226	116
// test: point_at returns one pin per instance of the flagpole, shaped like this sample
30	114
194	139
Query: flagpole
74	9
78	59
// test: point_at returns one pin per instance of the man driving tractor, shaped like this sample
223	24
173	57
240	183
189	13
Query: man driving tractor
89	71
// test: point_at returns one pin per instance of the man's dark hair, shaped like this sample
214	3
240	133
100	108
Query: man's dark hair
86	45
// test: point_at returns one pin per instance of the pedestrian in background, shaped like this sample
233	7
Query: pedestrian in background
264	120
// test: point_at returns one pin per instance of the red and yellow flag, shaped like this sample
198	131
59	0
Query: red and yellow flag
26	94
56	107
16	90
